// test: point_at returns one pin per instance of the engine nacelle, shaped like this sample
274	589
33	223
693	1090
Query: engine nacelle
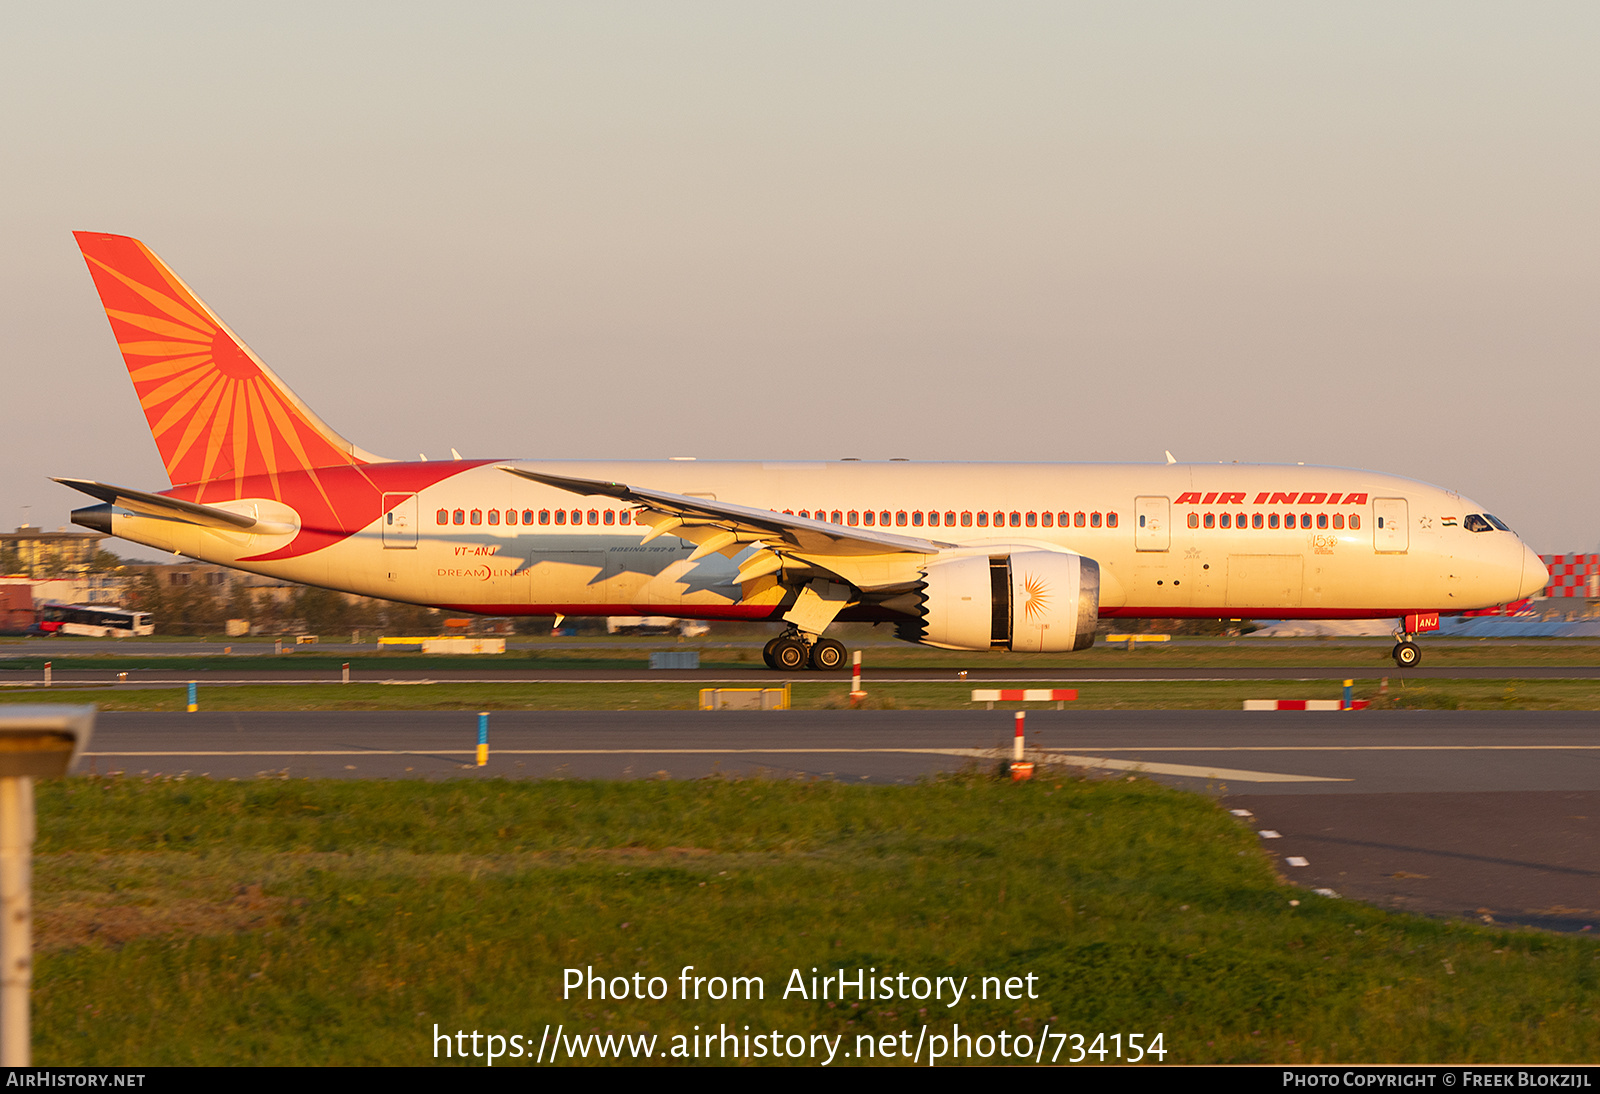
1027	601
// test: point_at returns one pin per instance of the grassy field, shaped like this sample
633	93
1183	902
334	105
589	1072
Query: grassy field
298	922
1508	694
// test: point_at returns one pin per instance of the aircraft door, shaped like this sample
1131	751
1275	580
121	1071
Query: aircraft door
1390	531
399	520
1151	531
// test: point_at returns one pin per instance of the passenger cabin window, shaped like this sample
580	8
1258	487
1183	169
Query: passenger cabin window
853	518
1094	520
561	516
1209	521
1272	520
1081	519
1047	519
1338	520
494	516
610	517
983	520
1355	522
916	519
1031	520
459	516
544	517
1322	520
511	516
869	518
950	519
901	518
966	520
1255	520
444	516
1225	520
1111	520
1016	520
1194	520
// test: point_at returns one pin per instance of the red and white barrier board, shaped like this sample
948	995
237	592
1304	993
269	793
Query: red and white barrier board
1025	695
1302	704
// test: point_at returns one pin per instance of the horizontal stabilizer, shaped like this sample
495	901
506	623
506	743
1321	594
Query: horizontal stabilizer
158	505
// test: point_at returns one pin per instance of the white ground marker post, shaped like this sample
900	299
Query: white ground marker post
856	694
35	742
346	672
1020	768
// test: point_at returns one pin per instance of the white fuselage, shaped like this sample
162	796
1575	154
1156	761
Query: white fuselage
1168	538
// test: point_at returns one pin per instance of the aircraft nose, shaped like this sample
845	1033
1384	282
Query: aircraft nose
1535	574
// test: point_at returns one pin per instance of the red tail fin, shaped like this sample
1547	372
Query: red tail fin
217	412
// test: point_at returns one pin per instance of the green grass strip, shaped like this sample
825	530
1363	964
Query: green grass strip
336	922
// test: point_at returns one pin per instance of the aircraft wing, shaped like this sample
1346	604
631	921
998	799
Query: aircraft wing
720	526
158	505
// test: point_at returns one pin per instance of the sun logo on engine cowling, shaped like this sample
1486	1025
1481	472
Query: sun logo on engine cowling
1038	601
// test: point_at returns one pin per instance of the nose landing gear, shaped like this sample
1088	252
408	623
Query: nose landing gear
1405	652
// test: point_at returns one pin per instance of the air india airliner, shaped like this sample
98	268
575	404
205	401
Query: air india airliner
964	556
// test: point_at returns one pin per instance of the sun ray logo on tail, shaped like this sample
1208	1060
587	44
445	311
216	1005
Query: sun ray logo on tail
217	413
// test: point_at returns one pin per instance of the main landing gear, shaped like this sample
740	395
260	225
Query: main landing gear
1405	652
790	652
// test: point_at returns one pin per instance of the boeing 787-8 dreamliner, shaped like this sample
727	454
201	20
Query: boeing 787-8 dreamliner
965	556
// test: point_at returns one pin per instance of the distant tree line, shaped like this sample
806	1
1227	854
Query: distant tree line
195	609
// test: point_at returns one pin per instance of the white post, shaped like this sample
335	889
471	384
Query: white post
47	674
16	917
1016	746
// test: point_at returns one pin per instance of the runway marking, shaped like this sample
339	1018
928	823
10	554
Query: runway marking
1186	770
1101	762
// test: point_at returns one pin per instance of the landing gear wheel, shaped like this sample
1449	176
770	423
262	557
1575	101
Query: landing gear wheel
827	655
766	653
1406	654
789	654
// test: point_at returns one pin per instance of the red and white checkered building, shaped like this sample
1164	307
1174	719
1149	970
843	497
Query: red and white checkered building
1573	575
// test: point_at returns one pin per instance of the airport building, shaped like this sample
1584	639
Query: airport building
36	553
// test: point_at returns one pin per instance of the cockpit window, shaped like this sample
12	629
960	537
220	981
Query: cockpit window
1496	521
1476	523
